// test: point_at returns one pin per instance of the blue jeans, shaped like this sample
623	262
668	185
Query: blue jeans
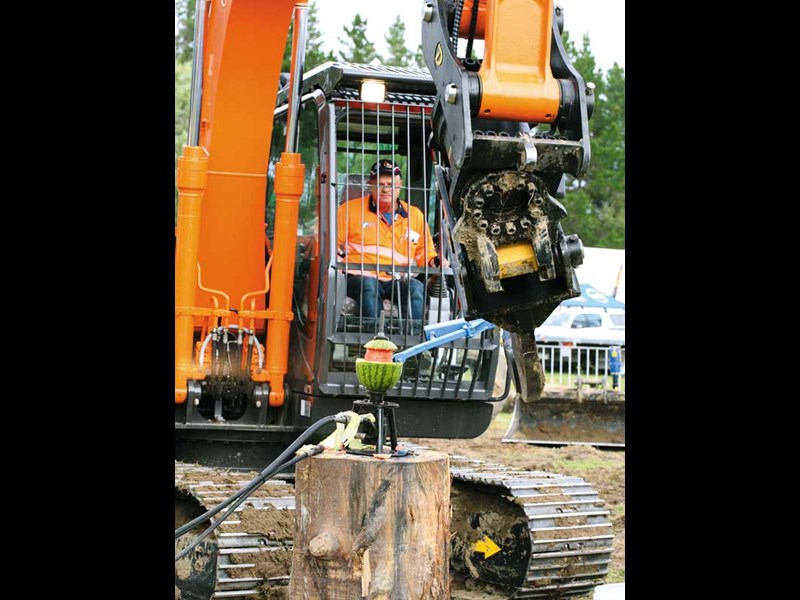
374	291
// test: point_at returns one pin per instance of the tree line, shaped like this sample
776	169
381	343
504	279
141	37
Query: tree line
595	203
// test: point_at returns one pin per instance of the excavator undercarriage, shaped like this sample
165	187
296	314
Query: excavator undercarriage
552	533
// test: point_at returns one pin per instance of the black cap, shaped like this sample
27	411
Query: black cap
385	167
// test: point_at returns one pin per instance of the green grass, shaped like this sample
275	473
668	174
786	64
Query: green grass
502	420
499	424
570	380
615	576
582	465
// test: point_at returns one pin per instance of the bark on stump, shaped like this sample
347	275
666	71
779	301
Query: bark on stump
372	528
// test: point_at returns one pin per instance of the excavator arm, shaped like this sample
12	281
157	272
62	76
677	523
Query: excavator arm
222	179
510	126
527	82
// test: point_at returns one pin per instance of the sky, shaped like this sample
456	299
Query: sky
603	20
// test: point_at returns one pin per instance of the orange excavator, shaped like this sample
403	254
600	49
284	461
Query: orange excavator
266	333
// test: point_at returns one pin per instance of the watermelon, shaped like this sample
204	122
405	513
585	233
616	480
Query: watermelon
378	376
379	349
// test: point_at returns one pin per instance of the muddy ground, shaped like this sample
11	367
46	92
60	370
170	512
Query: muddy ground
603	469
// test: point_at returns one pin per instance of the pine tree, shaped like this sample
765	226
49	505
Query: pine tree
596	203
357	48
184	29
419	58
314	56
399	54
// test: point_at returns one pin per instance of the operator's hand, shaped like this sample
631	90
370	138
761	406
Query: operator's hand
436	261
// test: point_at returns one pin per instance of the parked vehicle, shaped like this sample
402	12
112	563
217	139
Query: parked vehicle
584	325
582	329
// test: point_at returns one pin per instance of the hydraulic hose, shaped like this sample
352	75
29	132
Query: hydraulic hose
240	497
274	467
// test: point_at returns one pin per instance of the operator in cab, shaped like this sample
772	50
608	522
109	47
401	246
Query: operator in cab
380	229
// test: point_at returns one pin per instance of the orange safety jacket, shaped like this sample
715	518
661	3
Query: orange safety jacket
365	237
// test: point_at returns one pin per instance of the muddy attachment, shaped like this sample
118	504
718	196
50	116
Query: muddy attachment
581	414
522	357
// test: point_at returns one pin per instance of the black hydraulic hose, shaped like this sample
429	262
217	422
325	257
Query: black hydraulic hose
241	498
265	474
473	22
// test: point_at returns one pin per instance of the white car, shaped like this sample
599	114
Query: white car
583	326
579	339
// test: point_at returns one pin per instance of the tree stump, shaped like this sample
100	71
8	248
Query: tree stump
372	528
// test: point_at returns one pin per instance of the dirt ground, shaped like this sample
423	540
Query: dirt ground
603	469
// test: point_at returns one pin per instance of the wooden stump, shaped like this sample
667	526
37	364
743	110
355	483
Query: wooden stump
372	528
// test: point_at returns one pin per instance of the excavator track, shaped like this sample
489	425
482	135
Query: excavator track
247	565
552	534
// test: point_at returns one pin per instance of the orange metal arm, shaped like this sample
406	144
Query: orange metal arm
244	46
289	179
466	18
192	173
224	177
517	81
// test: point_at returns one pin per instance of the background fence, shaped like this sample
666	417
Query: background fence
564	363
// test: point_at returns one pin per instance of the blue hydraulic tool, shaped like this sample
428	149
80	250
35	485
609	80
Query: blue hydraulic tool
439	334
436	334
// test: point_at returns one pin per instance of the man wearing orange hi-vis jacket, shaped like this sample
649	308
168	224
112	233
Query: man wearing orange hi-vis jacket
379	229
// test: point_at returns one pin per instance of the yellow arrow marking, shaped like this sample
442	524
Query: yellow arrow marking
487	546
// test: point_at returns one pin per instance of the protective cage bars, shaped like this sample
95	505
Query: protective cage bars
463	369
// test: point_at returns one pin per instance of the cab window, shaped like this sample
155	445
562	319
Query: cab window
586	320
556	319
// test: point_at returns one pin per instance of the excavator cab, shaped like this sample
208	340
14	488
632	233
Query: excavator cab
445	393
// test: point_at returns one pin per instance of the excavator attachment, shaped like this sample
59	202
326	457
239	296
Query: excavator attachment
564	416
510	127
586	413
